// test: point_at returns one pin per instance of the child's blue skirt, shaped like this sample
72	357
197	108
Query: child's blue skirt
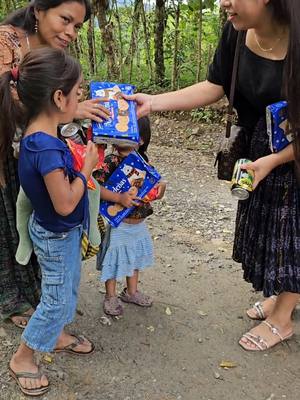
130	248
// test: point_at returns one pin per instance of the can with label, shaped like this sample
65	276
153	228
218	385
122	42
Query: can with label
72	131
242	180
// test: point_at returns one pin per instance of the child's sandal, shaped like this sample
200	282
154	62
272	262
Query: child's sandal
138	298
112	305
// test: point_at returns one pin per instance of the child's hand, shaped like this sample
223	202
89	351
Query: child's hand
128	199
91	155
92	109
161	186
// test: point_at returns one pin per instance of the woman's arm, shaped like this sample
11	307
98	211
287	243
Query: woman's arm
65	195
264	165
198	95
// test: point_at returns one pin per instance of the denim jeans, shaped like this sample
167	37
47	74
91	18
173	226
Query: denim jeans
59	256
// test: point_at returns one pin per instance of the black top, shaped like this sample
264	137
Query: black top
259	79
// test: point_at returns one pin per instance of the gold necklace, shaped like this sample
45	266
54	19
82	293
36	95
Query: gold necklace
266	50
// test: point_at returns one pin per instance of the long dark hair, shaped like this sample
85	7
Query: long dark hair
145	134
288	12
40	74
24	18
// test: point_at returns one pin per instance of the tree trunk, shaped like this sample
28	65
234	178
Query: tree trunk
159	28
199	39
222	20
175	67
134	33
147	44
107	34
121	51
91	47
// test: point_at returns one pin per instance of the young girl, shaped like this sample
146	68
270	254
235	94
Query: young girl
130	247
47	84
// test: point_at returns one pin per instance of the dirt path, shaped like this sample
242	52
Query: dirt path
150	355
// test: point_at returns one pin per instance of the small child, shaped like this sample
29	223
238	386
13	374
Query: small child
47	84
130	248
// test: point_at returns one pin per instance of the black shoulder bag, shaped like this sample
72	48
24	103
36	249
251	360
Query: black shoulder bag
235	143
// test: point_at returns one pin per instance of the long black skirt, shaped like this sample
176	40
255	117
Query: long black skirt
267	235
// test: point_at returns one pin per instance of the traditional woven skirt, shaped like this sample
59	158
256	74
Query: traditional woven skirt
19	284
130	248
267	235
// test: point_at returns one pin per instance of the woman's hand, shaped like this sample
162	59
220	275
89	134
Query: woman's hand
261	167
161	186
92	109
143	102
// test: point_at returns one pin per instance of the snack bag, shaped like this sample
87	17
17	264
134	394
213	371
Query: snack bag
278	126
122	126
134	175
78	153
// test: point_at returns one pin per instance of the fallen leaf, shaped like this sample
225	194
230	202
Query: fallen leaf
48	359
228	364
105	321
168	311
151	328
202	313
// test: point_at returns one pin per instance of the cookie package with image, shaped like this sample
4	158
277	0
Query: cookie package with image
121	127
278	126
134	175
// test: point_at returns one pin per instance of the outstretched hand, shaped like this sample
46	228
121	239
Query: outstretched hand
143	102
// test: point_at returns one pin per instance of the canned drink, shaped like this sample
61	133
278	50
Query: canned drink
242	180
72	131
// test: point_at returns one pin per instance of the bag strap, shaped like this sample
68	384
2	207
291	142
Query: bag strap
233	82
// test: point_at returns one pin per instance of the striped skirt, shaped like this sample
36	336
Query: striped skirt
130	248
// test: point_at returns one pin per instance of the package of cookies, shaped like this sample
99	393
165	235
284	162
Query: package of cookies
122	126
278	126
133	175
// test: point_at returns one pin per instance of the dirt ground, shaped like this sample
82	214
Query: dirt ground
173	350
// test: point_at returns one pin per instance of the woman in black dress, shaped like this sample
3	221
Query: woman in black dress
267	236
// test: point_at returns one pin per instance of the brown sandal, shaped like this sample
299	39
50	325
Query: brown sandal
29	392
70	349
138	298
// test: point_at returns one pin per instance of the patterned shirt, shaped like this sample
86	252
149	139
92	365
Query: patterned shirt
111	163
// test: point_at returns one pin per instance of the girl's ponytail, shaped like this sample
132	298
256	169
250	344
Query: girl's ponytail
11	116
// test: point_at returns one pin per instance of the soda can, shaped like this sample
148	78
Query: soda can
72	131
242	180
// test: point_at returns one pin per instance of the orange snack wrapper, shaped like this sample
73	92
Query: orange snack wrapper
78	152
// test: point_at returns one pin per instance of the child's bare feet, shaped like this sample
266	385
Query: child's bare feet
262	310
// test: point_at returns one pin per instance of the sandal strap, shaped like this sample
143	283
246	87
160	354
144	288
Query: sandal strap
273	329
30	375
78	340
259	310
256	340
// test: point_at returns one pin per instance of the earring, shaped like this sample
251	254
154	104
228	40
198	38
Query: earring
36	26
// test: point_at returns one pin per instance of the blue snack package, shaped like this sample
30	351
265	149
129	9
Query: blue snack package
121	127
133	174
278	126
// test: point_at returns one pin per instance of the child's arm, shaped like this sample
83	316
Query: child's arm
161	190
125	199
65	195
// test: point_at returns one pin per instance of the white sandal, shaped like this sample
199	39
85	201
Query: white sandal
259	311
260	343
